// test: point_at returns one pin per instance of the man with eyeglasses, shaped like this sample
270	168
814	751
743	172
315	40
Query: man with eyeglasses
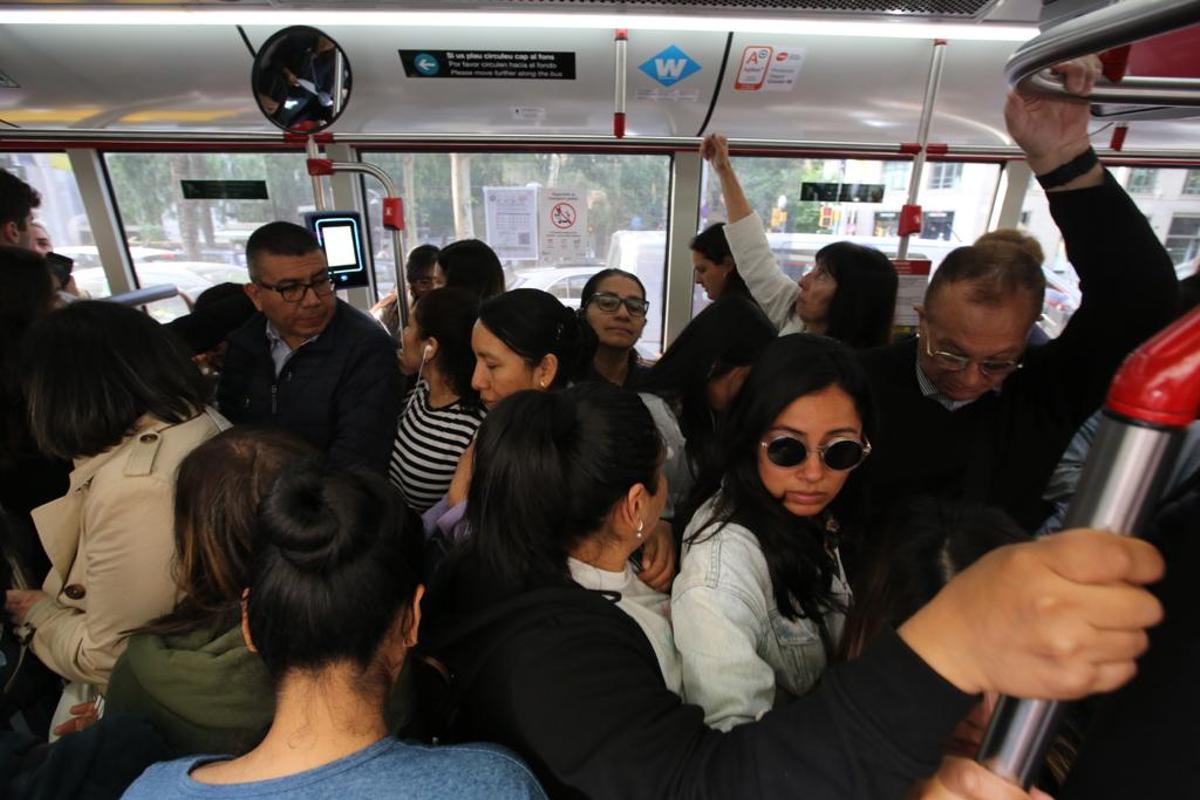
307	361
967	411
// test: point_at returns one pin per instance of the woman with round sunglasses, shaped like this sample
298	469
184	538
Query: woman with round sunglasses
761	596
614	305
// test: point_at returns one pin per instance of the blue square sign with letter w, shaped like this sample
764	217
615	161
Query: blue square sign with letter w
670	66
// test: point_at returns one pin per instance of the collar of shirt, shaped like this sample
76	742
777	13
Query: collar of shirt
281	351
931	391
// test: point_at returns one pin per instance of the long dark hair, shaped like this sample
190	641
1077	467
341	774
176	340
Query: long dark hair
534	324
27	297
801	567
448	315
732	332
337	562
217	492
94	368
549	467
864	305
470	264
712	244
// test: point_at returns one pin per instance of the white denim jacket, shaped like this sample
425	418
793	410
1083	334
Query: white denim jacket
740	656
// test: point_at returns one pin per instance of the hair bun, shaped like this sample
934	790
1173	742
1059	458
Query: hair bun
310	532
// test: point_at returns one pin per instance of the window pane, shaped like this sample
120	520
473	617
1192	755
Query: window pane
621	218
1191	184
196	244
1171	210
798	228
1142	181
61	213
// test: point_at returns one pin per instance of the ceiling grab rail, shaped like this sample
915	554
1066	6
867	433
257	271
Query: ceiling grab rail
1153	398
1095	32
911	217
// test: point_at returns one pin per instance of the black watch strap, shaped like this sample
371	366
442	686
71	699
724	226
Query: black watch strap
1070	170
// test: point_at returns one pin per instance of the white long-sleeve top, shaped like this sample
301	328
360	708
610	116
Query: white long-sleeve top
769	285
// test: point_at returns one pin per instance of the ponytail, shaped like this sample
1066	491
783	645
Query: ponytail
534	324
549	467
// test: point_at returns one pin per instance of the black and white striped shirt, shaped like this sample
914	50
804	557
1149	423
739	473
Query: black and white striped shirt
429	443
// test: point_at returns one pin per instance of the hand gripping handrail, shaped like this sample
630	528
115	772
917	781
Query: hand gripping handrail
1104	29
1153	399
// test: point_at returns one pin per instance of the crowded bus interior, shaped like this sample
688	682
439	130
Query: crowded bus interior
608	399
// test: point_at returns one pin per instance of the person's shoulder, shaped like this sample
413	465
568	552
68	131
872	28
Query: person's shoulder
468	771
251	332
165	779
358	324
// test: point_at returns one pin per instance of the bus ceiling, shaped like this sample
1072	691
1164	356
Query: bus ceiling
784	71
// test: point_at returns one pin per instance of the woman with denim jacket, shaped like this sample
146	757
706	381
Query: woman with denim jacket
761	596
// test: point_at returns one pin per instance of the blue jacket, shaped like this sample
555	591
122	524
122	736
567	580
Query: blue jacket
341	391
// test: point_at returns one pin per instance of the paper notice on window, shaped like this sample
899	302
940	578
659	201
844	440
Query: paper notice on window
511	216
563	225
914	277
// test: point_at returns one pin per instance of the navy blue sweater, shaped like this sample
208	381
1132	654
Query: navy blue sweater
340	392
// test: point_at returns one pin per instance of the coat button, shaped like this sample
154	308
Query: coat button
75	591
147	438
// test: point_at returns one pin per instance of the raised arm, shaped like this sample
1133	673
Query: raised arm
1128	284
769	285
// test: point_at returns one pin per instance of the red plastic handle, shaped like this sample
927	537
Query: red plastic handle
393	213
910	220
320	166
619	125
1159	383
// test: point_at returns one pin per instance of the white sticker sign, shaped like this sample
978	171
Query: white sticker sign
784	69
753	70
511	214
562	223
769	69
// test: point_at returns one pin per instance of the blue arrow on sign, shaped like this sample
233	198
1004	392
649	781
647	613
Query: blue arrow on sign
670	66
426	64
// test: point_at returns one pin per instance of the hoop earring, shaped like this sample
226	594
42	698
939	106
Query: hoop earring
640	527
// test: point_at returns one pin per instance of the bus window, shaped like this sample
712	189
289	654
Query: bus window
62	214
615	205
807	203
1170	199
195	243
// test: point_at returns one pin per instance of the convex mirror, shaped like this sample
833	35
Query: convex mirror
301	79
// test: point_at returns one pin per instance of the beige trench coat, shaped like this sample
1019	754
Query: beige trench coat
110	540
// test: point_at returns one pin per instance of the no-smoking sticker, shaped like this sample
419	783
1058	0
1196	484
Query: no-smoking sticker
563	216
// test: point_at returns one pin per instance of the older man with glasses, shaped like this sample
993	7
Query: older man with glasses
967	411
307	361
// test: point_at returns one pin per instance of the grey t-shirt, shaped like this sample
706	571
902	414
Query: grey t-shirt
388	768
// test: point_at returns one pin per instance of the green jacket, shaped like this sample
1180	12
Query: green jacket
203	691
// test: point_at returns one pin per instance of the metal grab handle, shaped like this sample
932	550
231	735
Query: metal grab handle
1154	397
1101	30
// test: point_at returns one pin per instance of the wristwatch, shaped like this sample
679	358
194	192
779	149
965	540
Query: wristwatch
1070	170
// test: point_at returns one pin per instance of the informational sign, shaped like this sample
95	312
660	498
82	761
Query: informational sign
518	64
667	95
752	73
670	66
511	216
769	69
223	190
811	191
914	276
784	69
563	225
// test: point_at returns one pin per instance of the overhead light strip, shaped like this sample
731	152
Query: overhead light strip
901	28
